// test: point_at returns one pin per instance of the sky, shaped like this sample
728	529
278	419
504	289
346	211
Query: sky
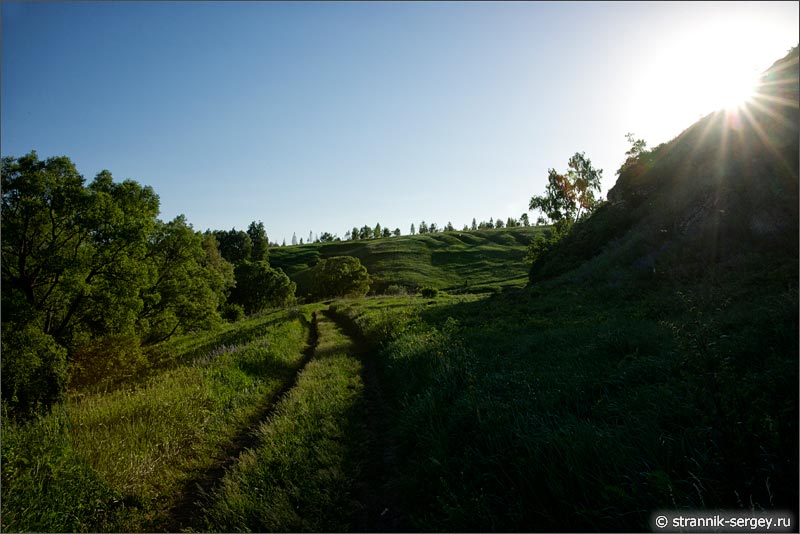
318	117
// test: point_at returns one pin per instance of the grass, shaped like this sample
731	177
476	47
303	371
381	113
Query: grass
118	460
578	407
303	475
476	262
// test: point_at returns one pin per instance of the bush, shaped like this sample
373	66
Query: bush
232	312
258	287
429	292
34	369
339	276
396	290
107	360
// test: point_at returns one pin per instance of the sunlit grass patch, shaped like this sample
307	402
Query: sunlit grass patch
136	447
302	477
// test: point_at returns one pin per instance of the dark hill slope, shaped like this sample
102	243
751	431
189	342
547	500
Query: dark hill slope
476	261
721	195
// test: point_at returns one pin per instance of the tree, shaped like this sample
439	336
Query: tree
339	276
449	227
310	237
423	228
412	229
259	287
294	238
259	241
188	282
499	223
474	224
73	255
73	266
433	228
511	222
234	245
365	232
397	232
525	220
377	231
301	240
387	232
326	237
570	196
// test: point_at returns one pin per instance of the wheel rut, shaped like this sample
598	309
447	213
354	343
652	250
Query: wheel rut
381	512
184	516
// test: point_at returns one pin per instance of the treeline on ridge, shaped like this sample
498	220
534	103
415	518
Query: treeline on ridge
378	231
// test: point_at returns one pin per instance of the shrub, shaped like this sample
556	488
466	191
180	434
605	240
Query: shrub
396	290
339	276
258	287
232	312
34	369
429	292
107	360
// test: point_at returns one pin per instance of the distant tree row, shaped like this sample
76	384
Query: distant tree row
379	231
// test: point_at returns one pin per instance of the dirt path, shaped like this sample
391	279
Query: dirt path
380	513
186	513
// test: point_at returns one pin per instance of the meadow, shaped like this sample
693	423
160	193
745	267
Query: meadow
563	405
478	261
646	360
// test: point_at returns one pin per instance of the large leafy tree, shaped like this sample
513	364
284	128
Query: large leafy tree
188	281
88	269
73	255
339	276
258	286
571	195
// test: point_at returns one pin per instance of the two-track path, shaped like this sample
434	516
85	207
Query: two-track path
378	512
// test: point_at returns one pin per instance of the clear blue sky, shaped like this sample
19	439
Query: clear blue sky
324	116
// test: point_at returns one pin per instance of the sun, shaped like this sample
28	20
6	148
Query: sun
708	66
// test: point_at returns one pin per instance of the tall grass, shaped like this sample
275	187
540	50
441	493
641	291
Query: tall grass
120	460
572	408
303	475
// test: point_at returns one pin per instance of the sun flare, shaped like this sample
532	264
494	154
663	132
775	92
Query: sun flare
711	66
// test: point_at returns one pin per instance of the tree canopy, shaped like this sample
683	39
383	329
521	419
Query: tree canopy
339	276
570	196
84	263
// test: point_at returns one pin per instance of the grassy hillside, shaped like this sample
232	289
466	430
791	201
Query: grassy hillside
651	364
721	195
478	261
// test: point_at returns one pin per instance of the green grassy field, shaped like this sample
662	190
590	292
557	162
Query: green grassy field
477	262
580	408
119	460
650	364
558	406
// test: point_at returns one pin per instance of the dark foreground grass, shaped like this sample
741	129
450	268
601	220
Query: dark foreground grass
117	461
303	475
578	408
